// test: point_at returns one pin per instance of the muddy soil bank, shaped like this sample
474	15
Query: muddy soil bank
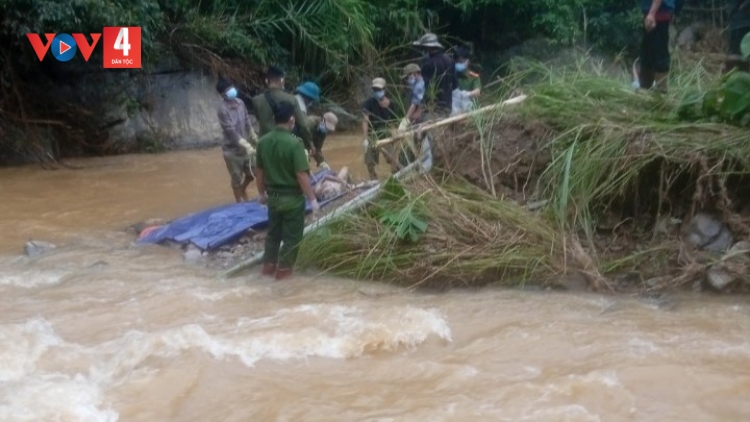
635	249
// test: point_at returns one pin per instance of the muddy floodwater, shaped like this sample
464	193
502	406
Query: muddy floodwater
101	330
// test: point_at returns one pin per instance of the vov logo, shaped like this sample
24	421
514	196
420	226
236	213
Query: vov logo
121	46
64	46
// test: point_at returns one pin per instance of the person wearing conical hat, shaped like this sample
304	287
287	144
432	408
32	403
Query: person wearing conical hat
438	73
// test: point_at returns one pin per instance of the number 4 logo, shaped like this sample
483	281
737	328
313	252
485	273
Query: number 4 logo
122	47
121	43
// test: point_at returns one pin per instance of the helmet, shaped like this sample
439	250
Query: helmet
310	90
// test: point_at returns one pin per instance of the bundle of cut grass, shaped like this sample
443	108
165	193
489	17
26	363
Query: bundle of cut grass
439	236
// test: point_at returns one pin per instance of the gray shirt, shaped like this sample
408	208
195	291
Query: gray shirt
235	123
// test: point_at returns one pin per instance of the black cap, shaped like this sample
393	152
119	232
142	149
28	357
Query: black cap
461	53
283	112
274	72
222	85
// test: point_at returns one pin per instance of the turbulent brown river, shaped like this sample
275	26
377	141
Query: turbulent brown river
102	330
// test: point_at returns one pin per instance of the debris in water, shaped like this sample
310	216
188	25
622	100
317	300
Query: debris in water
37	247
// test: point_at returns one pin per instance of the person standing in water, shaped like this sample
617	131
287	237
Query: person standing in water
378	113
238	152
319	127
283	182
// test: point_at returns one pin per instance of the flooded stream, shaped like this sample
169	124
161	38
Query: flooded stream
100	330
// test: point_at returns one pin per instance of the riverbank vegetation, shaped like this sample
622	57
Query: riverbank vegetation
46	112
585	178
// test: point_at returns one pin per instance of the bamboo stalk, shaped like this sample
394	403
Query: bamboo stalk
449	120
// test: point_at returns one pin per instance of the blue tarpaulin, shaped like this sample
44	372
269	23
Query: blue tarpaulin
212	228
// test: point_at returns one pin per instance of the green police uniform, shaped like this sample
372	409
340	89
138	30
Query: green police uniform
469	81
281	156
264	113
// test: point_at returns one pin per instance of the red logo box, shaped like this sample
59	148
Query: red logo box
122	47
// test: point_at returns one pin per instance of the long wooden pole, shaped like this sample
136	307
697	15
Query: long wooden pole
454	119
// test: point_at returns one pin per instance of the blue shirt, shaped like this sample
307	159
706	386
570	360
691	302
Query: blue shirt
666	6
417	93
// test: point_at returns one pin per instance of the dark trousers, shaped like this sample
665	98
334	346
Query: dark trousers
654	53
286	221
318	144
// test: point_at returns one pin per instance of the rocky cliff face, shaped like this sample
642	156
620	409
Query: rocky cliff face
169	110
79	110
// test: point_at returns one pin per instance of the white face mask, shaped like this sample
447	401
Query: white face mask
412	80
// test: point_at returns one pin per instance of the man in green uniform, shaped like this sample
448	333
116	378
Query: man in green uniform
320	127
468	84
283	181
265	103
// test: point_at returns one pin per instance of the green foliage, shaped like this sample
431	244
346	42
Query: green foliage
745	46
399	211
603	23
729	102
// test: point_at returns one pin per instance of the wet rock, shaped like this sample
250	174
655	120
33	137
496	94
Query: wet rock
719	278
733	267
708	233
192	255
690	35
37	247
98	265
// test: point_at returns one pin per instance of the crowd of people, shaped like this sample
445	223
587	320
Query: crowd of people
277	156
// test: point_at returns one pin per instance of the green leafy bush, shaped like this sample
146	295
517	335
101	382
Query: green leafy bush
730	102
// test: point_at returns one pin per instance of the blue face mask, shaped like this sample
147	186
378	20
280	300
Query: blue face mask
322	128
379	95
461	67
412	80
232	93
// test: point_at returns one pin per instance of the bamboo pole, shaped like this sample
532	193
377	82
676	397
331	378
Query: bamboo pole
354	204
454	119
